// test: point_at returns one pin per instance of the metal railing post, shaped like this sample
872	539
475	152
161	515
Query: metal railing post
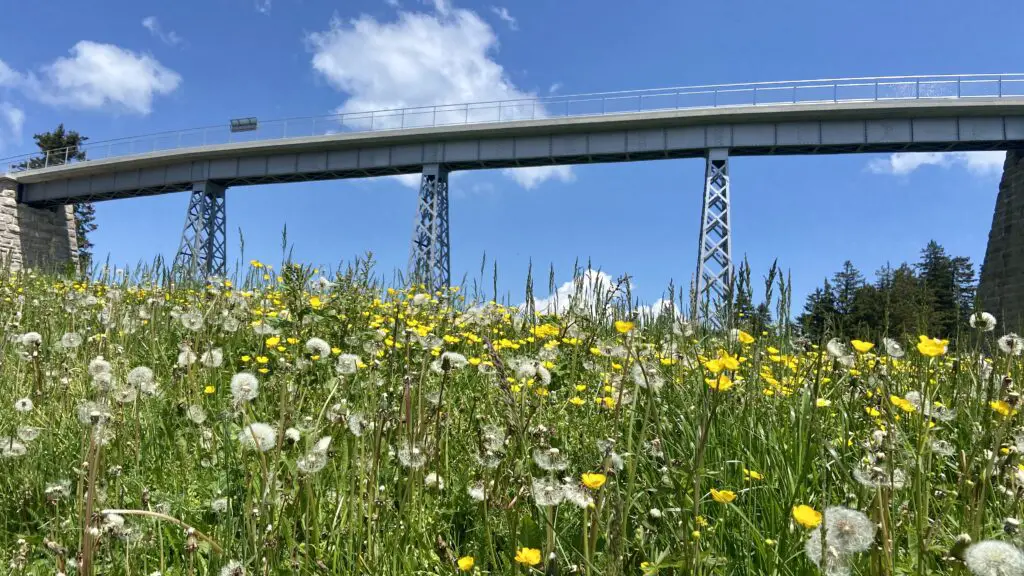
467	115
639	106
403	118
714	102
371	121
46	163
1000	82
917	89
957	86
876	90
66	151
835	92
433	119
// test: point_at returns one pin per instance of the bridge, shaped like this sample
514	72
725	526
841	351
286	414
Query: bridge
716	122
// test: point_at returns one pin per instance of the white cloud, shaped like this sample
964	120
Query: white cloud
532	177
502	13
104	76
392	3
263	6
555	88
8	76
422	60
169	37
903	163
12	119
586	290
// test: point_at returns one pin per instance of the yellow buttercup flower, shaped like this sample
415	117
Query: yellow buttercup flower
931	347
316	303
751	475
466	563
1002	408
623	327
862	346
594	480
272	341
528	556
744	338
577	401
720	384
806	516
902	403
209	390
722	496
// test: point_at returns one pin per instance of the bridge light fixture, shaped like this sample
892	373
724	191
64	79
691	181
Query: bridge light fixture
243	124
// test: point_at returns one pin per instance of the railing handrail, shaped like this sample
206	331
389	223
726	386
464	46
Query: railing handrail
917	81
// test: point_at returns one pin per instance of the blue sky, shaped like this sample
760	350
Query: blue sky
116	68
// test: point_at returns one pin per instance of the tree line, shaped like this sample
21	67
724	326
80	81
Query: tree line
934	296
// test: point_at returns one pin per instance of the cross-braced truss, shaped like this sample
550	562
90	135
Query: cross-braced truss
203	248
714	263
429	257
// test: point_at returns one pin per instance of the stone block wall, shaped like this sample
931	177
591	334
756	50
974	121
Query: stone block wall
1001	288
35	237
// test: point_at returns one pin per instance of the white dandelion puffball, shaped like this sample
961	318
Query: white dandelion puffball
994	558
258	436
191	320
140	375
318	347
98	366
347	364
1011	344
233	568
31	339
892	348
23	405
212	358
71	340
983	321
244	387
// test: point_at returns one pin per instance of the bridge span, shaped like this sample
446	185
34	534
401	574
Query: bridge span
895	114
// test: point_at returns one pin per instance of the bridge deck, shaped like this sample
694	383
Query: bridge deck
927	124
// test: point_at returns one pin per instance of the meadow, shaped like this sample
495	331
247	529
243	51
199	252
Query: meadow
296	424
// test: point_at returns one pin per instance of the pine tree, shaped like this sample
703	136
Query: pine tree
819	311
58	147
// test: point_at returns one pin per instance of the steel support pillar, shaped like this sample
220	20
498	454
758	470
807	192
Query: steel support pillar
430	258
714	258
203	248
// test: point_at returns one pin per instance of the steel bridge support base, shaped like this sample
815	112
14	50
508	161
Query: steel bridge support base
714	259
203	248
430	257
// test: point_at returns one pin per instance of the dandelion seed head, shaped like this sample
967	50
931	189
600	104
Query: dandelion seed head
30	339
477	492
258	436
318	347
99	365
195	413
125	394
434	481
23	405
212	358
233	568
550	459
292	435
11	447
220	505
576	494
892	348
1011	344
547	492
347	364
994	558
191	320
312	462
411	456
244	388
355	423
983	321
28	433
140	375
70	340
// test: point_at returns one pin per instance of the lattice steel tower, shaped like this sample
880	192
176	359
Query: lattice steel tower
203	248
429	257
714	258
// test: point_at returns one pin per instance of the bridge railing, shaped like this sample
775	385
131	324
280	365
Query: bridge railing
824	91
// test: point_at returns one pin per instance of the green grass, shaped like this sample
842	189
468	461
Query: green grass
431	460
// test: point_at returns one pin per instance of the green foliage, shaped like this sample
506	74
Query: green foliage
58	147
935	296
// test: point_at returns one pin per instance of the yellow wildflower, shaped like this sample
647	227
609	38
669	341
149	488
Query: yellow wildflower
902	403
751	475
1002	408
806	516
466	563
316	303
528	556
931	347
623	327
862	346
722	496
744	338
594	480
720	384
